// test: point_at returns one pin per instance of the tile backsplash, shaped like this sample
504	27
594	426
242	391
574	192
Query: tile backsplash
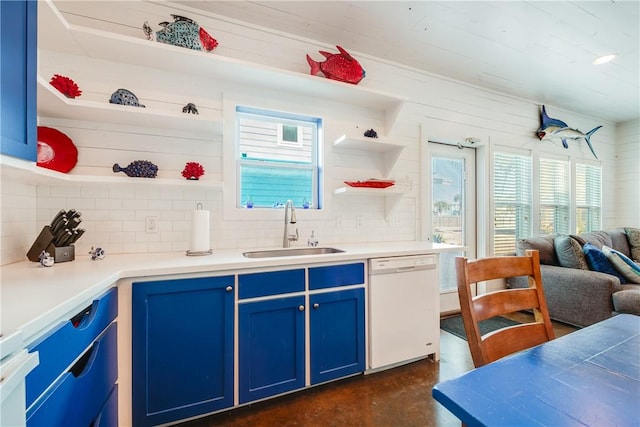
114	217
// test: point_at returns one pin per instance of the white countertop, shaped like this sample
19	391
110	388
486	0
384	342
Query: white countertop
33	297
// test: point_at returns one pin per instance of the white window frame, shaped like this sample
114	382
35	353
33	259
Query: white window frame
230	211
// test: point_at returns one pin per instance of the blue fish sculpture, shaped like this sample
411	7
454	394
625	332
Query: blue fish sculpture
553	129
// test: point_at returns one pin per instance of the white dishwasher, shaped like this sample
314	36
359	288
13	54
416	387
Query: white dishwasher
404	310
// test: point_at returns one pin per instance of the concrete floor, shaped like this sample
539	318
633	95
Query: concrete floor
399	397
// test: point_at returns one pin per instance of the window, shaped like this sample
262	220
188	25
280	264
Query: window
554	196
511	200
278	157
588	197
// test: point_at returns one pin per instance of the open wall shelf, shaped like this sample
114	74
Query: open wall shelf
391	195
53	104
119	48
31	173
388	152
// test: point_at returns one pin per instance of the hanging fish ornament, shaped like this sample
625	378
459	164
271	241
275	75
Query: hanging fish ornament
554	129
138	169
183	32
342	67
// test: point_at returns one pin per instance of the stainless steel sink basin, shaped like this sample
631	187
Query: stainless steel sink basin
290	252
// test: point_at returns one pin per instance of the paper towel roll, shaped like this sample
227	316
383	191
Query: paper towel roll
199	231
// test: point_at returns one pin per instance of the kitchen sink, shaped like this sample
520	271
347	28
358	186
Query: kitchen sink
290	252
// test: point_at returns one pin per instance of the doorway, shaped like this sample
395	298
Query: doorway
450	211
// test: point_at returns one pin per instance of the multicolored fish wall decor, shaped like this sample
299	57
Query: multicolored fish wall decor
342	67
553	129
183	32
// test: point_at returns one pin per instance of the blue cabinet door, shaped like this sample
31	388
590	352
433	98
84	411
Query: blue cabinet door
182	348
271	347
337	347
18	66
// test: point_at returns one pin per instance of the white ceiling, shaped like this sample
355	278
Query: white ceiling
538	50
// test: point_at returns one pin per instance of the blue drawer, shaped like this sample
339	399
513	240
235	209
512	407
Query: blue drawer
336	275
62	345
270	283
78	396
108	416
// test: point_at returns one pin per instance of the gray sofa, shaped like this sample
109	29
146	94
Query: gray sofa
580	296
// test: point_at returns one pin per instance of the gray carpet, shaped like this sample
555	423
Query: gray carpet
455	326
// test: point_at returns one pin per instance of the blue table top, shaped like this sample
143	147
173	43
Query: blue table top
590	377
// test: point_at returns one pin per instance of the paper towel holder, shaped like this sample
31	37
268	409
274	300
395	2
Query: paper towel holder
199	253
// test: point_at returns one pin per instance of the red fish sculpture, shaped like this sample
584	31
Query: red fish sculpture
342	67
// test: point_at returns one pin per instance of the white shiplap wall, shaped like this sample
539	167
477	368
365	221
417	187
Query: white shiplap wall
627	183
439	108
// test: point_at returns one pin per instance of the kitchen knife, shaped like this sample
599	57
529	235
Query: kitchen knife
57	219
60	226
63	239
76	235
72	213
73	223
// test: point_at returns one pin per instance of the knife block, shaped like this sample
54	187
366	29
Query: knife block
44	242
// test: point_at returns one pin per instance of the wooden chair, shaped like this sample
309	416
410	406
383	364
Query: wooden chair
497	344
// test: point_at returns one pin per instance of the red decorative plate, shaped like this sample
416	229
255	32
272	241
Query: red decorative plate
56	151
371	183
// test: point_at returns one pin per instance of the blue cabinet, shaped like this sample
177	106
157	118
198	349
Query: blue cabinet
271	333
182	354
336	324
273	316
18	66
271	347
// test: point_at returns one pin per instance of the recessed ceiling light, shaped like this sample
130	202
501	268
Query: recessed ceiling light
604	59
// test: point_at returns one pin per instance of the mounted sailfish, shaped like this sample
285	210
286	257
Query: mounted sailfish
552	129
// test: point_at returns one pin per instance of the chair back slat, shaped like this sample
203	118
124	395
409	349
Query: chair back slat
513	339
497	344
508	301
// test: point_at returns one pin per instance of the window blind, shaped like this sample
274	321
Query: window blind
511	200
588	197
554	196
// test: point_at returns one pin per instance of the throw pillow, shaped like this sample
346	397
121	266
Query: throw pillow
629	269
598	261
544	246
569	252
633	236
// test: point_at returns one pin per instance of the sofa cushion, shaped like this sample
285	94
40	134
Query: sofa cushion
626	267
627	300
569	252
597	238
597	261
544	246
633	236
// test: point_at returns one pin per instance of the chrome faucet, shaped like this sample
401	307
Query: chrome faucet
287	237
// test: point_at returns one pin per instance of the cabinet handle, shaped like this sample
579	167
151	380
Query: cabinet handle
229	288
316	305
301	308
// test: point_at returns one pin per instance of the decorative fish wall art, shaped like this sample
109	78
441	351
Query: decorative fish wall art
554	129
138	169
338	66
183	32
